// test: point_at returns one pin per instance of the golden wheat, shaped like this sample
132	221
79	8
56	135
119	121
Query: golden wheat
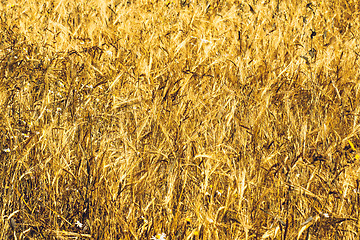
146	119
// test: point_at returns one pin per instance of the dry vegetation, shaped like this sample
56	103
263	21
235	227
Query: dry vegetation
198	119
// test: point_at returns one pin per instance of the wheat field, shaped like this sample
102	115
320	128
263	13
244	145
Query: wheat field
183	119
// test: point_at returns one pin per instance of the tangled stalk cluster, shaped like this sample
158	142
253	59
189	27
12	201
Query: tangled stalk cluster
146	119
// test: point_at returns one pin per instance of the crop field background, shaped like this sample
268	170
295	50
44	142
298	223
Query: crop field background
139	119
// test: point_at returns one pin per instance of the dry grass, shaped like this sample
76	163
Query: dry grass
197	119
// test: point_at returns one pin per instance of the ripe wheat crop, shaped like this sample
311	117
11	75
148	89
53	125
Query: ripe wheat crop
183	119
